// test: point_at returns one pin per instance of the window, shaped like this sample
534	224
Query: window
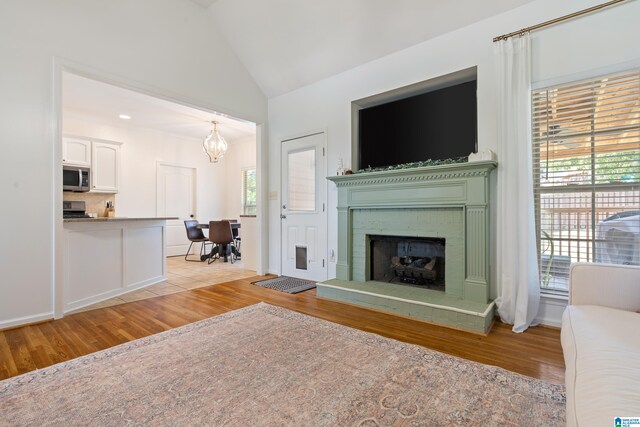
586	170
301	180
249	191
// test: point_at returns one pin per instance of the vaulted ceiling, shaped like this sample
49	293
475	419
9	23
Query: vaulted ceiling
287	44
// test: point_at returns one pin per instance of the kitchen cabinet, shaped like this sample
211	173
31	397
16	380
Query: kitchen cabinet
76	151
105	167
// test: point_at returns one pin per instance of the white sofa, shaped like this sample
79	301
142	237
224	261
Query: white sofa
601	344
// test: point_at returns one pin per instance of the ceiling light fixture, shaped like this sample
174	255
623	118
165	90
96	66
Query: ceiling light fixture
214	145
124	116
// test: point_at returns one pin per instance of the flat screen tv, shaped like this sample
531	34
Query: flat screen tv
436	125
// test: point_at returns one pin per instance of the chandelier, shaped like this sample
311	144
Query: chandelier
214	145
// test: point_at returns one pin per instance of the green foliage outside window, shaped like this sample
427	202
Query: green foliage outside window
249	200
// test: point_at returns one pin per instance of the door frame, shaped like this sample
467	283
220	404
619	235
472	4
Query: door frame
64	65
325	234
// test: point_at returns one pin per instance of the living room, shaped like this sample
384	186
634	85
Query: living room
157	48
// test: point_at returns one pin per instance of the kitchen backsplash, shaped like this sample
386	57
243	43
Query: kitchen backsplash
95	202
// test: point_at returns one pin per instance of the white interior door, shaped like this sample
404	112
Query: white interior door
176	197
303	216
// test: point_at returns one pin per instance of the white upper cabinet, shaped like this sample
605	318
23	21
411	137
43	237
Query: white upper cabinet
105	167
76	151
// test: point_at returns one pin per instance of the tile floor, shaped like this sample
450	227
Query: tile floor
182	275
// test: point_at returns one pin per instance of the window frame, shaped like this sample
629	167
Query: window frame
243	194
593	188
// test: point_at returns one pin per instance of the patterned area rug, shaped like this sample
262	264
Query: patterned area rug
265	365
286	284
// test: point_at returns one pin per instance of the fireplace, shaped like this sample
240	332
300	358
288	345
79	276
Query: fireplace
416	242
412	261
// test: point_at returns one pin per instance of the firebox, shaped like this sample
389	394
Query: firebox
414	261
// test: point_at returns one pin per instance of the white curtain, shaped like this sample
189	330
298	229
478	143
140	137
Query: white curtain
517	266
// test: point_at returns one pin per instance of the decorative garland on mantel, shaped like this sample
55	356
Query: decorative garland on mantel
415	165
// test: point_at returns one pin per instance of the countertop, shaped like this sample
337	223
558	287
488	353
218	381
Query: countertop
118	218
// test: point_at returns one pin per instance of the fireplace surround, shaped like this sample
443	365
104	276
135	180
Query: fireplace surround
446	203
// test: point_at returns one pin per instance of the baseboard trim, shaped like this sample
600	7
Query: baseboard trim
26	320
77	305
550	311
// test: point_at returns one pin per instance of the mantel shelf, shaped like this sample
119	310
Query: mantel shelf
456	170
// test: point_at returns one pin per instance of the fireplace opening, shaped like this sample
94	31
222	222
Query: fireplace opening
416	261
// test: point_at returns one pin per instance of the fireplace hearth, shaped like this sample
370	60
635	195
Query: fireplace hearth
416	242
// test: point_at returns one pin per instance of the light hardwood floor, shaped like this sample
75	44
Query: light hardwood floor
536	353
181	276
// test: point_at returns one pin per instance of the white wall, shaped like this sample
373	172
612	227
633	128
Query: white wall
167	47
582	45
241	155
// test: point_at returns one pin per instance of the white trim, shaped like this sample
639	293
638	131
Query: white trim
19	321
57	287
262	197
76	305
242	188
91	139
426	304
551	310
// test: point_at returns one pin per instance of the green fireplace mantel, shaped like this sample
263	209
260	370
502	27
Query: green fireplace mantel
412	202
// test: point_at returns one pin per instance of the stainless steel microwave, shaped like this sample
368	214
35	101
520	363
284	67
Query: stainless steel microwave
75	178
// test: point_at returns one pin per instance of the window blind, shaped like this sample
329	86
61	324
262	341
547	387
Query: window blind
586	170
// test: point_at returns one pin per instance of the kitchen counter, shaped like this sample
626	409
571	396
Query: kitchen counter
108	257
118	218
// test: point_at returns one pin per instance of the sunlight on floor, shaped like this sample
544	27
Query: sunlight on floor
181	276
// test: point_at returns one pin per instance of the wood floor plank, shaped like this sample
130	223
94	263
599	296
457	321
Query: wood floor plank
536	353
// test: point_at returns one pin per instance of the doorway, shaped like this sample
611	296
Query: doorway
303	210
156	128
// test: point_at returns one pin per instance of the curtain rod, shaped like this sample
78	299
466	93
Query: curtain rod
560	19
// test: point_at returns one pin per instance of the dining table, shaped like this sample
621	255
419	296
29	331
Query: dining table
205	226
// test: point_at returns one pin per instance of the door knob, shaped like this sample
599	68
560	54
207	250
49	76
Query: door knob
283	216
284	206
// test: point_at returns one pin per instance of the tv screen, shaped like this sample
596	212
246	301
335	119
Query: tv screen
436	125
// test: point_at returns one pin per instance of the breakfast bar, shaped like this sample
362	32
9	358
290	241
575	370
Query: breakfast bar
107	257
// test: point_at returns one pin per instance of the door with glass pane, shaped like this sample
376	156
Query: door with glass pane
303	216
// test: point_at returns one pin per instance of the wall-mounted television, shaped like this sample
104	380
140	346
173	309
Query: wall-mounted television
438	124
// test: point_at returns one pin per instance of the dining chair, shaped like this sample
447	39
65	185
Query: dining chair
195	235
236	233
221	236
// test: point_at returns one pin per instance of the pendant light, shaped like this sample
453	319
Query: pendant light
214	145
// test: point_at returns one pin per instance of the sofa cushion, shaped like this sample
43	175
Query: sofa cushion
602	355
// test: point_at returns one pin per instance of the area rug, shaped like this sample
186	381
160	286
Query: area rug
286	284
263	366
